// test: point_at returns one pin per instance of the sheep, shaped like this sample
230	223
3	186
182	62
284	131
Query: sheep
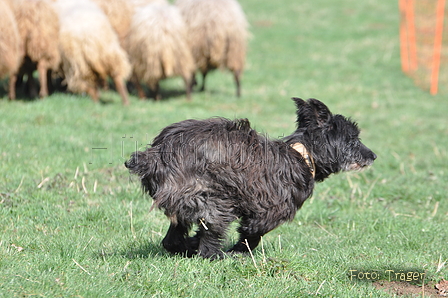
141	3
10	47
119	13
217	34
90	49
39	30
158	48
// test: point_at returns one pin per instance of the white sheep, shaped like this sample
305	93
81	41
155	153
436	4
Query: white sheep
38	26
158	48
217	35
119	13
90	49
141	3
11	50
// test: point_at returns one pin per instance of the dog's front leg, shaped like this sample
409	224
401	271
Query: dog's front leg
241	245
251	230
175	240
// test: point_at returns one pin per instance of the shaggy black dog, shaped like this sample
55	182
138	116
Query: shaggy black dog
215	171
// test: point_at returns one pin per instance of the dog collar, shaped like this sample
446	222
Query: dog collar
299	147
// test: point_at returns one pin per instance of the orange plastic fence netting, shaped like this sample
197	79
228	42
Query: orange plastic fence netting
424	43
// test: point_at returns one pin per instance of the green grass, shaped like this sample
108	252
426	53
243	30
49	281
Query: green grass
73	223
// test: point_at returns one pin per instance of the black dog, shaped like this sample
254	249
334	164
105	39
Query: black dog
215	171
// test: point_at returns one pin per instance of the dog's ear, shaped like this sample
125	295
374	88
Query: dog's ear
299	102
311	113
304	113
322	114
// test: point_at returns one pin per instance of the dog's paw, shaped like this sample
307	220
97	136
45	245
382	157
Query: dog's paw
211	254
175	247
193	242
239	248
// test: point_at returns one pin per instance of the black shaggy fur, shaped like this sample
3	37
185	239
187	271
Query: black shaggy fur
215	171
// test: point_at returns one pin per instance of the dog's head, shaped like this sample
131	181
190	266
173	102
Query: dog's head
333	140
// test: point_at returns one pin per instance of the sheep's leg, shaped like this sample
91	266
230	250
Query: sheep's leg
121	88
140	92
19	79
189	86
42	71
194	82
237	75
30	83
104	83
12	87
156	91
93	93
204	74
50	81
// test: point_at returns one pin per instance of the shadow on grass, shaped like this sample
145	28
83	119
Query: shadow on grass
28	90
165	92
105	96
144	250
168	92
137	250
21	94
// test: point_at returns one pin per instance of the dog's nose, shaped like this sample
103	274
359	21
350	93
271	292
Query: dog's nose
374	156
127	164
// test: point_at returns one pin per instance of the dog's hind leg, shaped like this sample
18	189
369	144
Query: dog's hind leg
175	240
210	240
250	231
211	233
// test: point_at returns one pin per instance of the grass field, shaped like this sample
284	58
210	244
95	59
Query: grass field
73	223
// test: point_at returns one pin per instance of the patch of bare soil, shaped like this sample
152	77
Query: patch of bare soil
432	289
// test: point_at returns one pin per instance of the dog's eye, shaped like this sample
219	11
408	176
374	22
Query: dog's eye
355	144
